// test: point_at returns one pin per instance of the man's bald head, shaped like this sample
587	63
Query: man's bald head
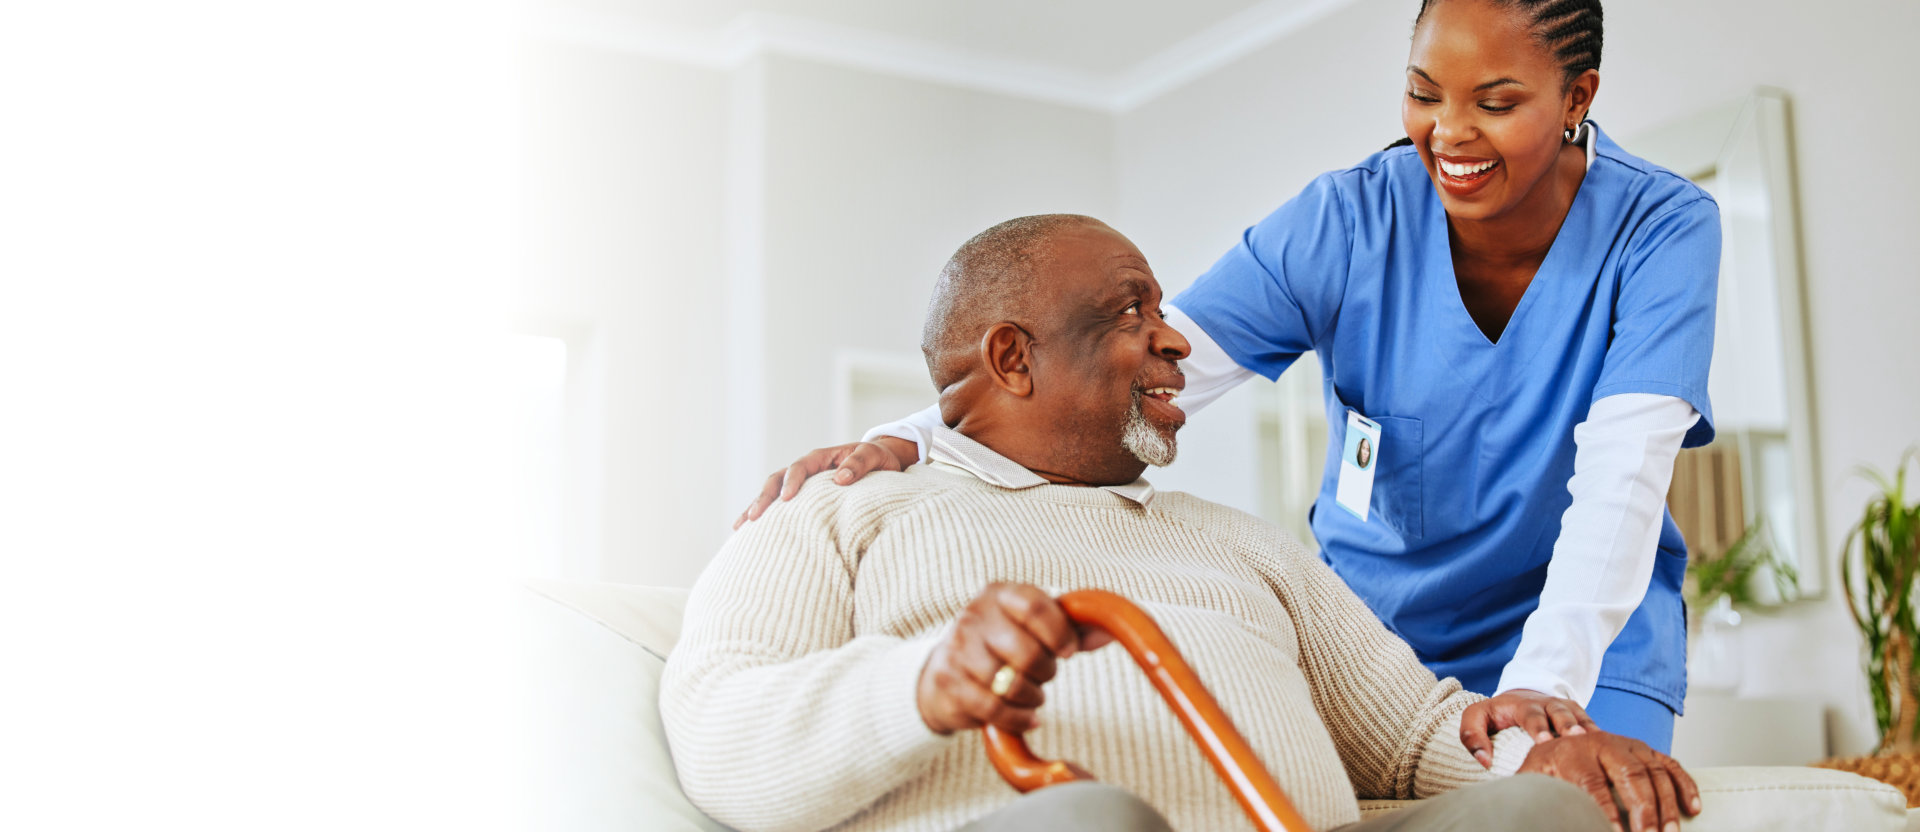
990	279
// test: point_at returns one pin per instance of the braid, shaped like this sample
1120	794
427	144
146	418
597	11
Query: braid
1571	28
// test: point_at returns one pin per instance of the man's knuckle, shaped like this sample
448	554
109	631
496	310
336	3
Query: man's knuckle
1023	654
944	679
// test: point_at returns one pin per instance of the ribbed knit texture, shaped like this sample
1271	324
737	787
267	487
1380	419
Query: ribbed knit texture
790	698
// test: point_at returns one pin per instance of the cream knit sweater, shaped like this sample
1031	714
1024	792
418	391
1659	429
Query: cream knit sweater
790	703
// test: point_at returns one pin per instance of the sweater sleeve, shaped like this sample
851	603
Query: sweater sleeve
1397	727
778	715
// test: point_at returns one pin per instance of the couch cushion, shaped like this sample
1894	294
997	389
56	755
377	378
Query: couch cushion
601	761
599	756
1749	799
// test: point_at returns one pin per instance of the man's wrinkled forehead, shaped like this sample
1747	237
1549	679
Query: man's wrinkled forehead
1095	265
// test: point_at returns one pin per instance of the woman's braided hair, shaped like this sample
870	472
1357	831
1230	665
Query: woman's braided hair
1571	28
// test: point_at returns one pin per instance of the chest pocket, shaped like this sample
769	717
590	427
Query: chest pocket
1398	476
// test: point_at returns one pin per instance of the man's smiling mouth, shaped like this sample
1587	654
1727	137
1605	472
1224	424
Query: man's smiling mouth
1168	395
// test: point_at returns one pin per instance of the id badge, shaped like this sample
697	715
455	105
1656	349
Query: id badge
1357	463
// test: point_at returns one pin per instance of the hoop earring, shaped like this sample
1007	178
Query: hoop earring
1569	135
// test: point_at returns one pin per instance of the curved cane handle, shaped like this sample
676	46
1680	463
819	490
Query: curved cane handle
1222	744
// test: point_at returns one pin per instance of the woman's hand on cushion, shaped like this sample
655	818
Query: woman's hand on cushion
854	459
1544	717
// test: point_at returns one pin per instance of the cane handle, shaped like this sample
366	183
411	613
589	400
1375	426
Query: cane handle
1222	744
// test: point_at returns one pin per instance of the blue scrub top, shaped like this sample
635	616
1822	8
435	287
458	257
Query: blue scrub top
1477	437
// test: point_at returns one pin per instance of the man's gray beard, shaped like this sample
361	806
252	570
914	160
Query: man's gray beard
1146	442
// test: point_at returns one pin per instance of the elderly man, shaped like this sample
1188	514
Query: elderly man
839	651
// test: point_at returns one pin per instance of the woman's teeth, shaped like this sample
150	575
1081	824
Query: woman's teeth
1460	170
1165	394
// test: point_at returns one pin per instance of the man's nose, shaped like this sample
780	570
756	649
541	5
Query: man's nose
1168	343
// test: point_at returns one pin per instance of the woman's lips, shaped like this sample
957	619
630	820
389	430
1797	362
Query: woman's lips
1461	177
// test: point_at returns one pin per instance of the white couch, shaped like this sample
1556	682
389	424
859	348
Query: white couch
600	757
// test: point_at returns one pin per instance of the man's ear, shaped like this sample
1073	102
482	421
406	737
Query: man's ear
1006	351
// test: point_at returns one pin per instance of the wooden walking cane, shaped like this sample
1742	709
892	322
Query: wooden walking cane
1229	753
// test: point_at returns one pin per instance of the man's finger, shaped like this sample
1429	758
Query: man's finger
1689	791
1012	646
984	708
1042	618
1593	781
1634	784
1669	820
1021	692
1091	637
944	710
1473	734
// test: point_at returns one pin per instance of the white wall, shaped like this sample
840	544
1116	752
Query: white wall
1201	163
709	240
872	182
621	206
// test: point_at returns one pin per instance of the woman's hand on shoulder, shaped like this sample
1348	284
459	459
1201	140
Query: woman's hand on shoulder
854	459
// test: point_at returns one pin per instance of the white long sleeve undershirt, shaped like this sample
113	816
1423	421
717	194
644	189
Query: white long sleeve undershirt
1602	561
1609	537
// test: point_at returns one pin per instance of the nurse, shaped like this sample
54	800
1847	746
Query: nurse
1517	316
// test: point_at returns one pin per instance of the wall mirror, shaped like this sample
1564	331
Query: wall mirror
1760	475
1760	472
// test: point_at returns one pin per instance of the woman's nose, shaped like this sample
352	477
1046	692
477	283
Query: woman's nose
1452	128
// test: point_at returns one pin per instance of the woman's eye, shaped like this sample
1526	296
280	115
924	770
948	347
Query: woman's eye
1496	108
1424	99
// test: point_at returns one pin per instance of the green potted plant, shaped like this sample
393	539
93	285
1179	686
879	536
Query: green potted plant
1879	563
1742	575
1749	573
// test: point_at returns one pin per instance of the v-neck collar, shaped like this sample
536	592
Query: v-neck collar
1440	253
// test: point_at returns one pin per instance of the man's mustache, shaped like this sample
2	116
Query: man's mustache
1146	380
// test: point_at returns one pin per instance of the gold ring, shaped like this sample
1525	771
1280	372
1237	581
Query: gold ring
1003	680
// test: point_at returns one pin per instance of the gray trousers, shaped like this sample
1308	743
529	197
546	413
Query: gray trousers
1529	802
1520	802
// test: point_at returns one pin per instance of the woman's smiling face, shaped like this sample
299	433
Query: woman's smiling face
1486	106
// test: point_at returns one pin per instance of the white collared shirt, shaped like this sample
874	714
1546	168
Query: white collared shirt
948	449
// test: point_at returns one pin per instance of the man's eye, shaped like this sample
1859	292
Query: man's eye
1131	310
